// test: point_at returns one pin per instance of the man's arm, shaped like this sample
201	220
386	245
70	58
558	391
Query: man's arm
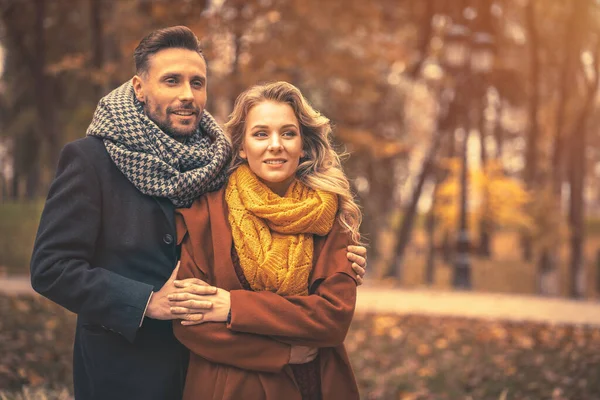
358	256
65	245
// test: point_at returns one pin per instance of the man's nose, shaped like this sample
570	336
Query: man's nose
186	93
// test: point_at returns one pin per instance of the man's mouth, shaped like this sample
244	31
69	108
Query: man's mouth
184	113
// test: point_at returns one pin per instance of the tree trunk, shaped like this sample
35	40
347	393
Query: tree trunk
570	51
405	230
576	216
44	102
577	172
531	143
97	38
426	32
499	131
430	225
571	46
484	222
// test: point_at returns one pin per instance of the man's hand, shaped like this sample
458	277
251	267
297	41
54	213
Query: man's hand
184	305
358	256
302	354
160	306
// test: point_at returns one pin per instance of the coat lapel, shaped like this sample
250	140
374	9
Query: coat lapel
222	241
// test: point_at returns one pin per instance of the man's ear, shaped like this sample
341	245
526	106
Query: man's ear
138	88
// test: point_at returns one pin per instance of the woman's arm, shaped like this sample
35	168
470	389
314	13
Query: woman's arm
320	319
216	343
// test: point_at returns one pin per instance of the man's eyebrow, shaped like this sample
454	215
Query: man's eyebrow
178	75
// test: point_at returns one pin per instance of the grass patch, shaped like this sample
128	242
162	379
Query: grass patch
18	226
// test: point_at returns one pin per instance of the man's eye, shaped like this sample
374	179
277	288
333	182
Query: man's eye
198	84
171	80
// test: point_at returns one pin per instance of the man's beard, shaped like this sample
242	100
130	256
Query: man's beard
167	126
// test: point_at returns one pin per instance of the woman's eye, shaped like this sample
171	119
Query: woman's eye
259	134
289	134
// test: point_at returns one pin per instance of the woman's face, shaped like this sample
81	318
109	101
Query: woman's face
273	144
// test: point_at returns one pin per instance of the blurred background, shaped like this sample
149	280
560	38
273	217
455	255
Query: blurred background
471	126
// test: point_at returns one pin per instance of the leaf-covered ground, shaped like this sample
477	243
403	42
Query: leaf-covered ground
394	357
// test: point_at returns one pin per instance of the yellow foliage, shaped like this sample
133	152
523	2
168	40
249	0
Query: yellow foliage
492	195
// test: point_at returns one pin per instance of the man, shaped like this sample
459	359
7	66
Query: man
106	246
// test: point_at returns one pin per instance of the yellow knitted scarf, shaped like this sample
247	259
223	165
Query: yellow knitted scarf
273	235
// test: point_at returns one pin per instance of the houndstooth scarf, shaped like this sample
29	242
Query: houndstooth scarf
154	162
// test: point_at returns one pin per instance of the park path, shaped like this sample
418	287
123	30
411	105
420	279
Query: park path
375	298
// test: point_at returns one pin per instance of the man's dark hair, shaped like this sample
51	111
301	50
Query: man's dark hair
175	37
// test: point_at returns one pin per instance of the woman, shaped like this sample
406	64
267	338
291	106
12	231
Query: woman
274	243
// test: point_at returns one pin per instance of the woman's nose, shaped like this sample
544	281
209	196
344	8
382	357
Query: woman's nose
275	142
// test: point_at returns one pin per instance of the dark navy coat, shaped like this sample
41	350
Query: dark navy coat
102	247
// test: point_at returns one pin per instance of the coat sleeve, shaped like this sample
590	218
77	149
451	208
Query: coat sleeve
65	246
214	342
321	319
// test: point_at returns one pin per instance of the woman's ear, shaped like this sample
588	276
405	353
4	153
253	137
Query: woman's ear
243	153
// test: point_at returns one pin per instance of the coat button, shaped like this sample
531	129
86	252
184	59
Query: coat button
168	239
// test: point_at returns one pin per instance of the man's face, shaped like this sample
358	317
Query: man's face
173	90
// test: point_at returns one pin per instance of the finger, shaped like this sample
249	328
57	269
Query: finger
192	304
190	281
187	323
175	271
357	259
358	269
191	317
188	295
359	250
201	290
182	311
359	280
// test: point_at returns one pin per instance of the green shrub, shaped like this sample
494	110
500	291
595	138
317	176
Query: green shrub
18	226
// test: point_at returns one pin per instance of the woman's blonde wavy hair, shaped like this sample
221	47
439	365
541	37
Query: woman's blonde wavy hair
320	168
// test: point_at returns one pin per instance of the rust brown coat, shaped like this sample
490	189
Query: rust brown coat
248	358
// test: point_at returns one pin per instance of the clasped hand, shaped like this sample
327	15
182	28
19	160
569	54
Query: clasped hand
192	300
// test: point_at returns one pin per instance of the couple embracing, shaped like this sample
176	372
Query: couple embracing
259	220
